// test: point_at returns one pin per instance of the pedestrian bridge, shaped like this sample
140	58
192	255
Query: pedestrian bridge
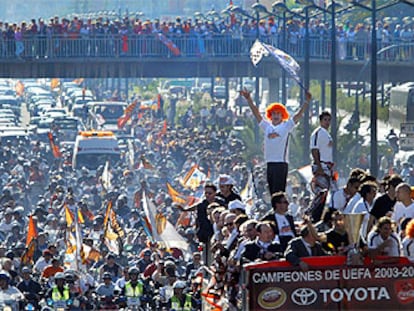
220	56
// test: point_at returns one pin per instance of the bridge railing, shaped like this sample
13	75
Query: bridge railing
75	46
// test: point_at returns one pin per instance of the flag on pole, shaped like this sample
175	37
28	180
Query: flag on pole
180	198
31	231
161	229
70	217
74	248
169	44
89	254
106	177
128	113
175	195
27	256
55	148
194	178
247	194
288	63
113	232
257	51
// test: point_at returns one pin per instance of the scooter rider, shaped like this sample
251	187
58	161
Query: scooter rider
59	293
10	296
181	301
134	288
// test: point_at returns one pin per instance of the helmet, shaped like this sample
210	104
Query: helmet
59	276
179	284
133	270
69	276
107	275
19	210
51	217
4	275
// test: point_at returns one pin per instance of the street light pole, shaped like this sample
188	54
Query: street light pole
284	47
334	123
306	82
374	113
257	79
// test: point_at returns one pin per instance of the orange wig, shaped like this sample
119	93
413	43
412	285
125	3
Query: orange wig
278	108
409	230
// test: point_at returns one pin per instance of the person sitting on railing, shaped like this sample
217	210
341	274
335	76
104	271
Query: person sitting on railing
383	241
264	247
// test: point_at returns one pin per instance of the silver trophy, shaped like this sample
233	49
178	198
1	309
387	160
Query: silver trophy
353	224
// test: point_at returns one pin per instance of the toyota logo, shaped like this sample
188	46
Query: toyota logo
304	296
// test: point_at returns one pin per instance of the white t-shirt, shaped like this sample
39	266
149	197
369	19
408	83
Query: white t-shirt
401	211
322	140
374	240
276	149
339	199
408	248
351	203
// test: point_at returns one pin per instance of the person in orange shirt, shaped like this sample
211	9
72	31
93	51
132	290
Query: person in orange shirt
50	270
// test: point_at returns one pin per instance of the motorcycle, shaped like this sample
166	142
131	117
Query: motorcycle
108	303
61	305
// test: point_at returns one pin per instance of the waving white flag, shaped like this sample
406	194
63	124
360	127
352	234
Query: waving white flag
257	51
288	63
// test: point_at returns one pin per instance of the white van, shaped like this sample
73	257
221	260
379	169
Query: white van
93	148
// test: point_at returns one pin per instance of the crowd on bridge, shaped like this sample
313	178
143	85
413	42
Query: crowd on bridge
196	177
198	36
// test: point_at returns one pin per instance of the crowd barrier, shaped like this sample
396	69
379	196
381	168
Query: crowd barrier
330	284
108	45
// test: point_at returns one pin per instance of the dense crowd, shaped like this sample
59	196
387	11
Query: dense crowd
70	37
227	218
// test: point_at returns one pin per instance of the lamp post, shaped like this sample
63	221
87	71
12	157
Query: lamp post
330	9
258	8
334	123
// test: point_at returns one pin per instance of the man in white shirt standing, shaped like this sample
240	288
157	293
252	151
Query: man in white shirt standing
277	128
321	146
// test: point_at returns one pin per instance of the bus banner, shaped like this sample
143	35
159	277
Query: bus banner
279	286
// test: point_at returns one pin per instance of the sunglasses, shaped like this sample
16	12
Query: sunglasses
283	202
229	224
